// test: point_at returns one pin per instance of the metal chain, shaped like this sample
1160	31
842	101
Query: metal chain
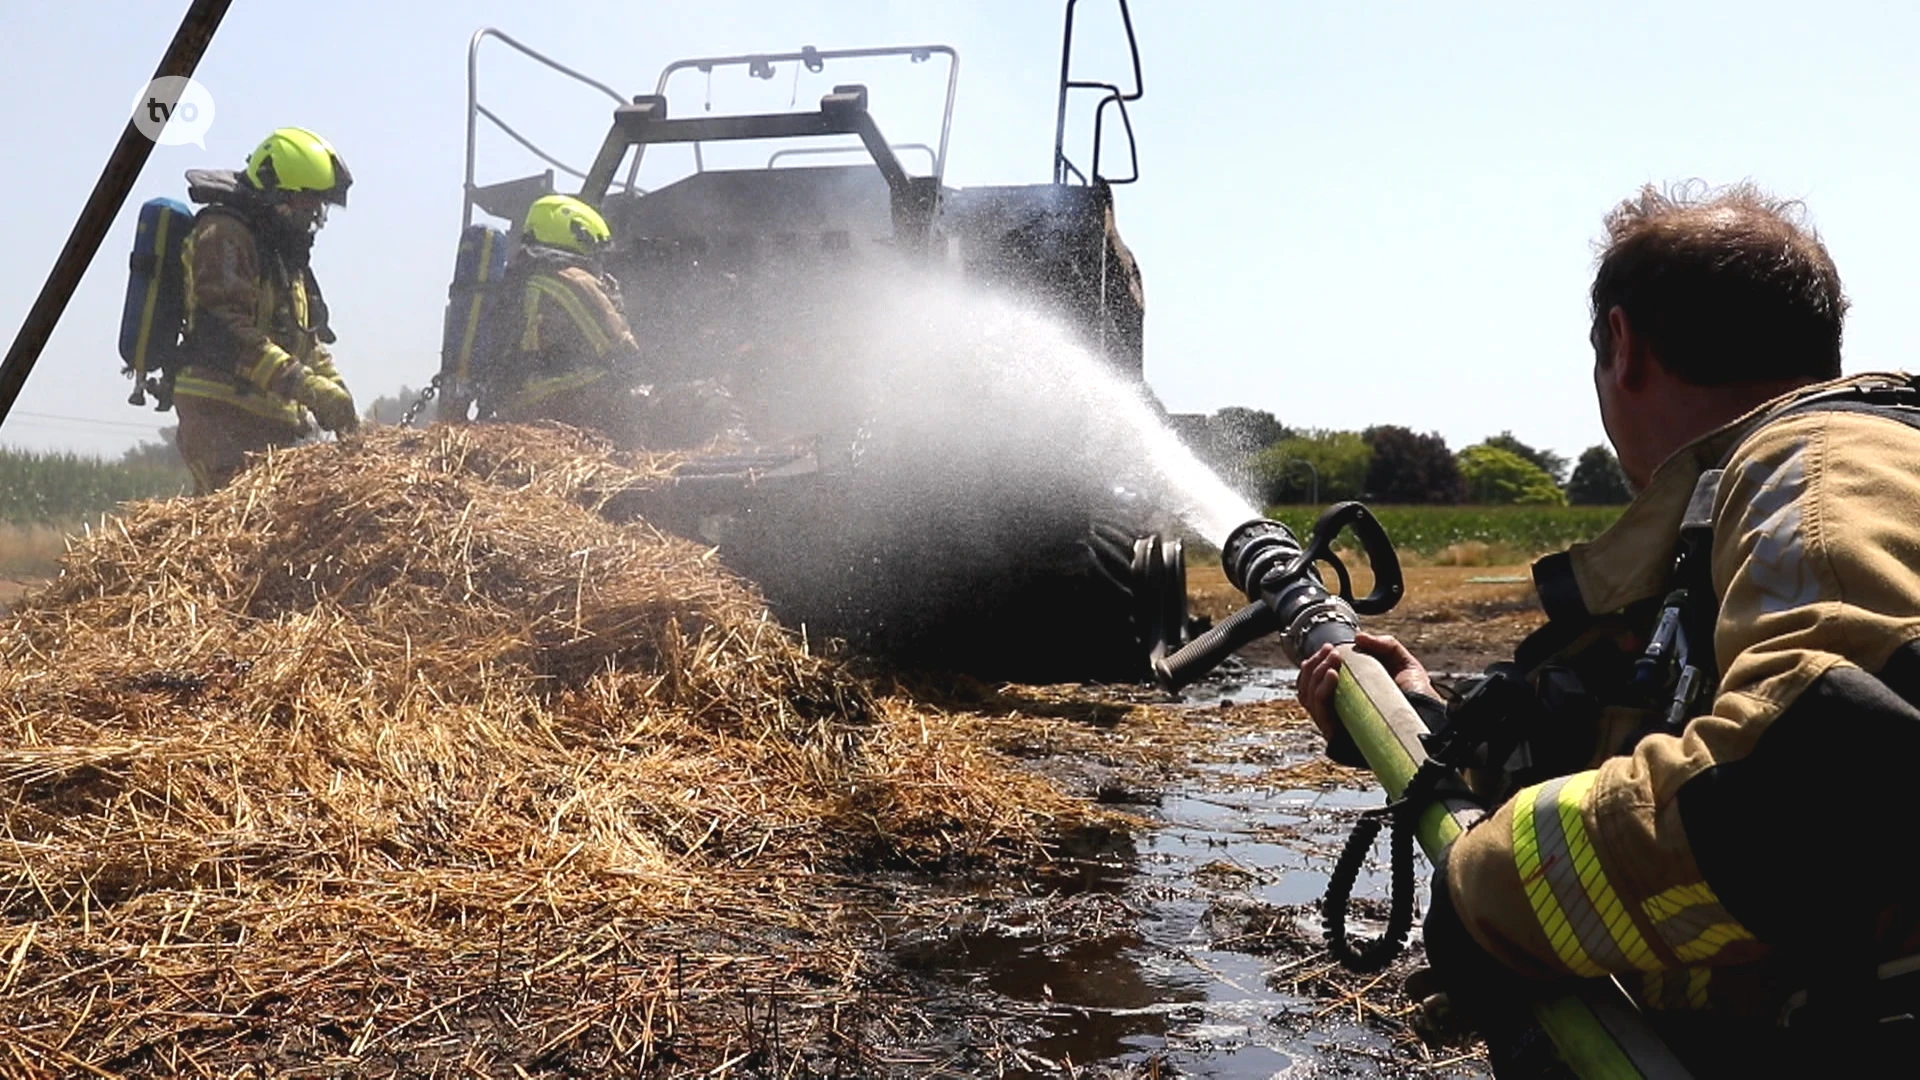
432	391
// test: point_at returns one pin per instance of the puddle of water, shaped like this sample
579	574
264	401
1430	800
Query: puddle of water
1237	684
1234	683
1145	984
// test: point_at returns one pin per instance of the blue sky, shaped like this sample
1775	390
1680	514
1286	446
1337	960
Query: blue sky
1349	213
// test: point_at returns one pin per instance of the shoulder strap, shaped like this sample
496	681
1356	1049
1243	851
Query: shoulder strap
225	210
251	222
1896	399
498	344
317	313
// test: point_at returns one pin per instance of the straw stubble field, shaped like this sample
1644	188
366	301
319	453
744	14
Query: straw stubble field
395	757
399	758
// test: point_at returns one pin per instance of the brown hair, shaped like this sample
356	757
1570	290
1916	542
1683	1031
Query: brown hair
1726	285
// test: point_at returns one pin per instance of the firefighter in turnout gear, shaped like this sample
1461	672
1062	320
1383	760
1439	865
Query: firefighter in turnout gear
256	363
563	338
562	349
1730	674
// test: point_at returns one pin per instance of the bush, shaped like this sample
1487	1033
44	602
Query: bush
1598	481
1339	460
1496	477
1549	462
1411	468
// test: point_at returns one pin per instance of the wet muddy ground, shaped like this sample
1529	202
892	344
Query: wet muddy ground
1191	946
1188	944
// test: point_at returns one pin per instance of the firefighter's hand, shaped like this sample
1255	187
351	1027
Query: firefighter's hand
1320	672
332	405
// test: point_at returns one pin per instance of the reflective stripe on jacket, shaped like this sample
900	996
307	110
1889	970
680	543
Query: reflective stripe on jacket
569	334
1816	561
249	332
563	333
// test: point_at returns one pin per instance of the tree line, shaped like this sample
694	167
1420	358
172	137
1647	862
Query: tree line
1388	463
1277	464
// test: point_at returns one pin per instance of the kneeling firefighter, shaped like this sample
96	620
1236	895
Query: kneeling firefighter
254	349
1698	772
559	346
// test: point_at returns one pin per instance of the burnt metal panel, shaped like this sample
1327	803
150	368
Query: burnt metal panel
1057	242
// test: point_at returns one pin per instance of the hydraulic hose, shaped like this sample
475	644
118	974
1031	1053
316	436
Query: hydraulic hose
1204	653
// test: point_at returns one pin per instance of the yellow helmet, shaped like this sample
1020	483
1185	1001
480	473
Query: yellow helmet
295	159
563	221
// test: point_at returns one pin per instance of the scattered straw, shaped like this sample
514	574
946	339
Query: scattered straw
397	757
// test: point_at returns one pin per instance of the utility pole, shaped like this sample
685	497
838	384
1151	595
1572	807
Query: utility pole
1314	498
109	194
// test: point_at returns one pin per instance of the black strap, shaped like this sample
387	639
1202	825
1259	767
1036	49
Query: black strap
1449	745
496	362
317	314
1894	400
1907	413
1559	591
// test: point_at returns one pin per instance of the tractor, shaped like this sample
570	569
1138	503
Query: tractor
1005	550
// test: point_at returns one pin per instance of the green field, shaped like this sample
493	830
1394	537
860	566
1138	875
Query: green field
1474	535
54	489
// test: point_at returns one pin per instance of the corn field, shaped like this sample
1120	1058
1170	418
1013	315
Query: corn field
1474	535
60	488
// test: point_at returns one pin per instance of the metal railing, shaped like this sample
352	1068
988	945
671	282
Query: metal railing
475	110
1114	96
807	151
761	65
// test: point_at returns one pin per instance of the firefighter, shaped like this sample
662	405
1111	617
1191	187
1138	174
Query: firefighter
564	351
1739	858
564	337
256	362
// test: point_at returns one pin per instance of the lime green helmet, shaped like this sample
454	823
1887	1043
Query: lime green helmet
295	159
563	221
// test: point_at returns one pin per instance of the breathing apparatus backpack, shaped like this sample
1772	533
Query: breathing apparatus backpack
467	342
153	322
155	313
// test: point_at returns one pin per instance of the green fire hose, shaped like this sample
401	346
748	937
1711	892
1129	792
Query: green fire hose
1597	1030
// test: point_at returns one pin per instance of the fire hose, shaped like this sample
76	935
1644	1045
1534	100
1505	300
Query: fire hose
1597	1030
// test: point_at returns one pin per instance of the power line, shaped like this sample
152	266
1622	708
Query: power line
150	428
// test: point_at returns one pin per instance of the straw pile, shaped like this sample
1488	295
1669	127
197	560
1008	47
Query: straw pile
395	757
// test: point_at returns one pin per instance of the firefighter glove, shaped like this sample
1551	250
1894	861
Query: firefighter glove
332	405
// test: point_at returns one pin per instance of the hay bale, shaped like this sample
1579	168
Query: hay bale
395	755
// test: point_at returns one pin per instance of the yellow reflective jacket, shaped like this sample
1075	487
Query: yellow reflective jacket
1816	564
567	332
251	329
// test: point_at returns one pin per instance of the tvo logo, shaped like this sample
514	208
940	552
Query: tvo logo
173	110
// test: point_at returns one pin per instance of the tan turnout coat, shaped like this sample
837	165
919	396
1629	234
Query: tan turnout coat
1816	559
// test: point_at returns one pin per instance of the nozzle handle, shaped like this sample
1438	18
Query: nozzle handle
1205	652
1388	584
